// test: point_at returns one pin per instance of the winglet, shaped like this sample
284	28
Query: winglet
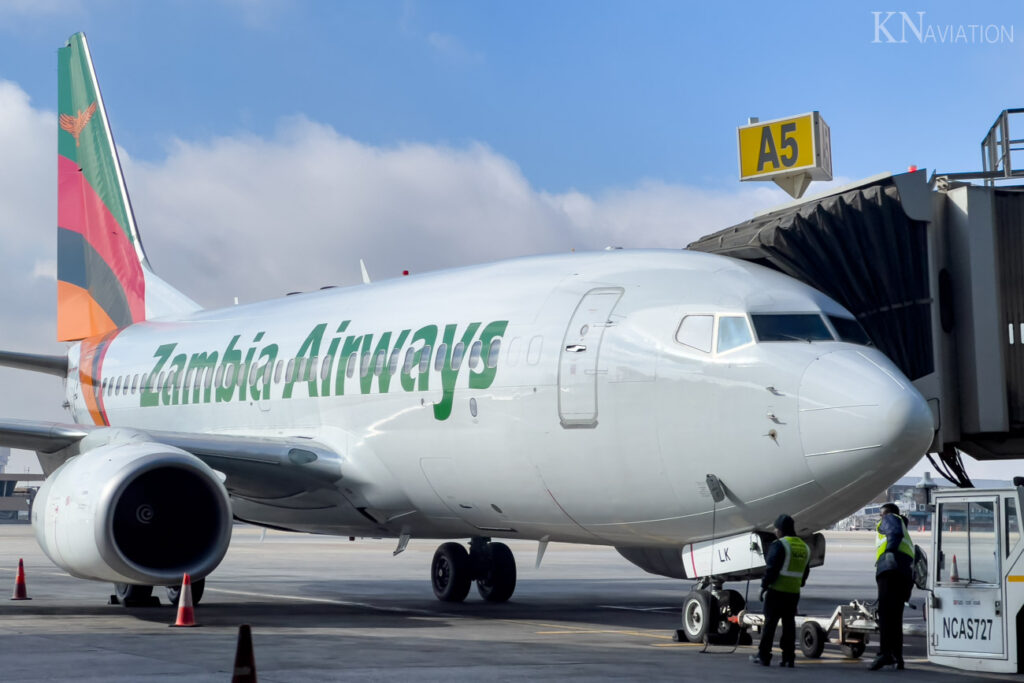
366	276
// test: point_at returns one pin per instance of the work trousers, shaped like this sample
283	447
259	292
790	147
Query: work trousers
779	606
893	591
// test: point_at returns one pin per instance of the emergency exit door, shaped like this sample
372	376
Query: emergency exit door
580	352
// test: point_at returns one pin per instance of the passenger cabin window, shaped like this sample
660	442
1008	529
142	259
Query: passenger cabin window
775	327
410	356
733	332
492	353
458	351
849	330
696	332
425	359
474	354
442	350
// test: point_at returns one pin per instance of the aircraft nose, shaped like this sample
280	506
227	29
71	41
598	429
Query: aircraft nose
860	418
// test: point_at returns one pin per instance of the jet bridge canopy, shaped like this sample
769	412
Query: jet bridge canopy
934	271
862	249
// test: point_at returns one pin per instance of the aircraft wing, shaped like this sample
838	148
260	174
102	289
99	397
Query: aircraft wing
255	467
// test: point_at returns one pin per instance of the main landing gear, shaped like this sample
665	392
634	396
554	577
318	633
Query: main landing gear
131	595
706	615
488	563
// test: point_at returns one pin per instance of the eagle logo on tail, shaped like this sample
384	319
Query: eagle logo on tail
75	124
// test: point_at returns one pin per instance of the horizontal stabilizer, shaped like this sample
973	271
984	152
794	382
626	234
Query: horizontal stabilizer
51	365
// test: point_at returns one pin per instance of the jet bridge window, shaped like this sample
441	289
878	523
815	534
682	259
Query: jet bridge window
967	532
1011	525
849	330
696	331
806	327
733	332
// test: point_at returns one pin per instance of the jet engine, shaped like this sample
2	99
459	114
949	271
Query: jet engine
133	512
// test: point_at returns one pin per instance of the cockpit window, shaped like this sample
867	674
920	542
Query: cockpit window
849	330
790	327
733	331
696	331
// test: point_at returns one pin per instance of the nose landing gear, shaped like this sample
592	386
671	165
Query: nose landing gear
490	564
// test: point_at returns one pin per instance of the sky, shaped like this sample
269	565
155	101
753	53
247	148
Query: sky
269	145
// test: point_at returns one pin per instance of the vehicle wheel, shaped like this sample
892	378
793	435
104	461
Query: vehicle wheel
812	639
499	581
450	573
129	593
853	649
174	592
724	632
700	612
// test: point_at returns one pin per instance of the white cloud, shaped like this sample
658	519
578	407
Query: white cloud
255	218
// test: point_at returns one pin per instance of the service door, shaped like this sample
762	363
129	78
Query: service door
966	619
578	362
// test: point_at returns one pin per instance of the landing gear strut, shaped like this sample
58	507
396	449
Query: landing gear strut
490	564
174	592
131	595
706	614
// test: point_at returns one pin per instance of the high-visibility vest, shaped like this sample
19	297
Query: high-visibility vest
793	566
881	543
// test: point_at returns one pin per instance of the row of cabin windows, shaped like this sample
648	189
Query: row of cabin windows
308	369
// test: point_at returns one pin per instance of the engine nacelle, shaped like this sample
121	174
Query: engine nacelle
133	512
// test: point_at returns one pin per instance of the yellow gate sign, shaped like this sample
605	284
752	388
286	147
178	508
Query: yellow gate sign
791	151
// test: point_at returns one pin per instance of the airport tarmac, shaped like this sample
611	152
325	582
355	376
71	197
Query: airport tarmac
327	609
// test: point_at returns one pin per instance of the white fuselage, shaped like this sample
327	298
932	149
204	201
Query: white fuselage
581	419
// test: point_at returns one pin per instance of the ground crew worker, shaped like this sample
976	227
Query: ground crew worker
894	574
787	565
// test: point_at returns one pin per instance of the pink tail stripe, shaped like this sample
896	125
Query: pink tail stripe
81	210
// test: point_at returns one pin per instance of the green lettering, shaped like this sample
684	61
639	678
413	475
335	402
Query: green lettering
384	381
309	349
264	378
449	375
350	347
172	387
366	381
150	398
427	335
484	377
229	361
204	364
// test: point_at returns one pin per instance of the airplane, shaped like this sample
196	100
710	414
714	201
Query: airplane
668	403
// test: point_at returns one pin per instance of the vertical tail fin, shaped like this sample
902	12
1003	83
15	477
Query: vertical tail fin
104	281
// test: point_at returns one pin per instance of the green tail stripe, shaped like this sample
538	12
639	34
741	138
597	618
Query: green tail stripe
93	152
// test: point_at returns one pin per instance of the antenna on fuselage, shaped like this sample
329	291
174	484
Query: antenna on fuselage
366	276
716	488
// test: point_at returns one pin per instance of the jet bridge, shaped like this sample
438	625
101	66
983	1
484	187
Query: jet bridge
934	271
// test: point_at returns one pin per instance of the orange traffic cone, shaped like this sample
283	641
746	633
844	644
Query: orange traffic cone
186	615
20	592
245	663
954	575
